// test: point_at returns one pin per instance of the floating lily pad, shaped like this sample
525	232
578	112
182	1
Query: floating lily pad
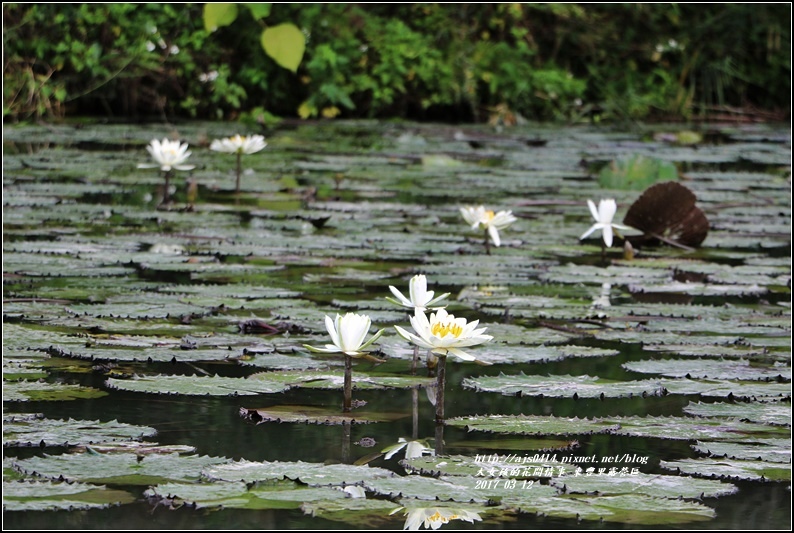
730	469
533	425
562	386
60	496
312	474
709	368
769	450
25	391
654	485
238	495
626	509
362	512
513	466
763	413
22	430
119	468
197	385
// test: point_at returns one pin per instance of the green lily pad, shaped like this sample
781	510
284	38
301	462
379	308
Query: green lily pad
533	425
25	391
762	413
60	496
730	469
197	385
119	468
562	386
27	430
239	495
312	474
625	509
708	368
654	485
769	450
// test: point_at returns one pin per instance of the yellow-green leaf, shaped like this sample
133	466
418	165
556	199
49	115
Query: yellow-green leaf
217	15
285	44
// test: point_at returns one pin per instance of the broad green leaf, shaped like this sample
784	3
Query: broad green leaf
284	43
636	172
217	15
259	10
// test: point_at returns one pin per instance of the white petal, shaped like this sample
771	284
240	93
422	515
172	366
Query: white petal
591	230
607	231
494	233
330	325
606	210
403	300
593	210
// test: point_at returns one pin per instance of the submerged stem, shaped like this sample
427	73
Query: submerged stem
441	376
167	192
348	402
415	359
487	243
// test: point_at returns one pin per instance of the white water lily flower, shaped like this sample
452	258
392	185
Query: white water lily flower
603	215
347	334
239	144
168	154
479	217
435	517
420	297
413	449
444	334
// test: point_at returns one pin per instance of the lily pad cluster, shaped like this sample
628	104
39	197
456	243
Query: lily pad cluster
675	361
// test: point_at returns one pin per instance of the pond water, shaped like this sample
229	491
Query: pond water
154	374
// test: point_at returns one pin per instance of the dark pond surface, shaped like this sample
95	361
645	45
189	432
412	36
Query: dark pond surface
103	288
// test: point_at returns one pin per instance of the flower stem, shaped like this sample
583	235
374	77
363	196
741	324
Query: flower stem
413	362
415	413
167	192
487	243
348	402
441	376
239	170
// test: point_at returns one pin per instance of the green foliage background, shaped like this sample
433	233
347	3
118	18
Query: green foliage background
423	61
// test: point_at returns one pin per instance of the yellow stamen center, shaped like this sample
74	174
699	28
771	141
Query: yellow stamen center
442	329
489	215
